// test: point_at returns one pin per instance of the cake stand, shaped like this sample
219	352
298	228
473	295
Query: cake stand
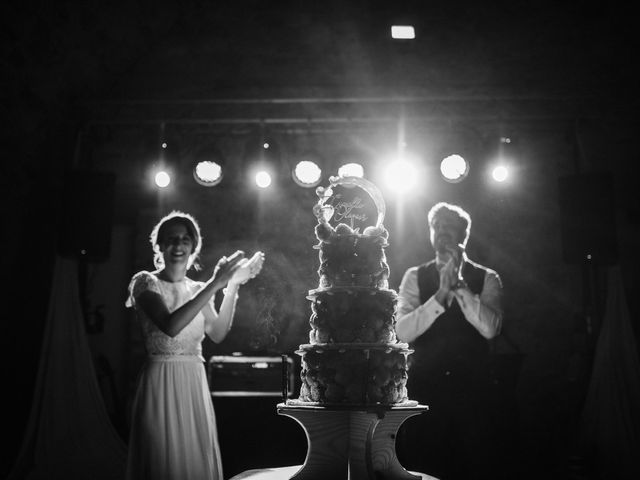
351	442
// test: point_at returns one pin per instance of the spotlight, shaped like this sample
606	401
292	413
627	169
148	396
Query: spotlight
505	160
207	173
262	161
307	174
500	173
401	175
208	166
263	179
454	168
162	179
351	170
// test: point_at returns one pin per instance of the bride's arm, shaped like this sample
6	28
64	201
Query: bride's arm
218	324
172	323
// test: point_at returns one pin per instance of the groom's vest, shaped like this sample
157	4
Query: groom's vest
451	346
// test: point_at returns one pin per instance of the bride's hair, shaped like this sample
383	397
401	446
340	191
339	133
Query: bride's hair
158	233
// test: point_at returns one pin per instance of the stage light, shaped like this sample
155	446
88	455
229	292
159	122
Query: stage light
454	168
500	173
207	173
263	179
261	159
307	174
162	179
403	32
400	175
351	170
208	165
504	159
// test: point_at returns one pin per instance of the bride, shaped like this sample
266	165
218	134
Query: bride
173	428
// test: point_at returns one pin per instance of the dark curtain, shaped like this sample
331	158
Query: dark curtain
69	434
611	415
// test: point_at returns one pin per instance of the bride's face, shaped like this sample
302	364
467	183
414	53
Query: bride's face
177	245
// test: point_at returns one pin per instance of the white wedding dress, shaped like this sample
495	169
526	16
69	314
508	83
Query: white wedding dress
173	432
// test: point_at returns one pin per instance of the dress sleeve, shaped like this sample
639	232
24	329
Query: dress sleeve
141	282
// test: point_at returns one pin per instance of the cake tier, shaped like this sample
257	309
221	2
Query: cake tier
353	260
352	315
362	374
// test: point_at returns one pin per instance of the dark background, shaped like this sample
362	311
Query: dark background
97	87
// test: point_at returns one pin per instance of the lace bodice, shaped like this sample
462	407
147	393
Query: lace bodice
189	340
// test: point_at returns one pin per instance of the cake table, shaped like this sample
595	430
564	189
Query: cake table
346	443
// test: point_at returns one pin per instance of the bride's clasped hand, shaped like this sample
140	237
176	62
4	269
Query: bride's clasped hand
248	268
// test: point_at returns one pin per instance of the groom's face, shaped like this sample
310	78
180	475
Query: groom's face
446	230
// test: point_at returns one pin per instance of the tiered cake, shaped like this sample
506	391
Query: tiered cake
353	356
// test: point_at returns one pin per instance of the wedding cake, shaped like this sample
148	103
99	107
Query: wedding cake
353	356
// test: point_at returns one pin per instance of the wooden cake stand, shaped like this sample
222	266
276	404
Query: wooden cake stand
354	443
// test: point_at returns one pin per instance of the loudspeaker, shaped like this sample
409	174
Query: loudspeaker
86	215
588	218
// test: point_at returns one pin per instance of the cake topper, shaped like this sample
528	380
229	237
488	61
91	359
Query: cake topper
349	205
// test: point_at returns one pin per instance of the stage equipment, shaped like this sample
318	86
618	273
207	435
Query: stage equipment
500	173
251	376
403	32
454	168
351	170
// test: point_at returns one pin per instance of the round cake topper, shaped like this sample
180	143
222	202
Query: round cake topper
352	201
